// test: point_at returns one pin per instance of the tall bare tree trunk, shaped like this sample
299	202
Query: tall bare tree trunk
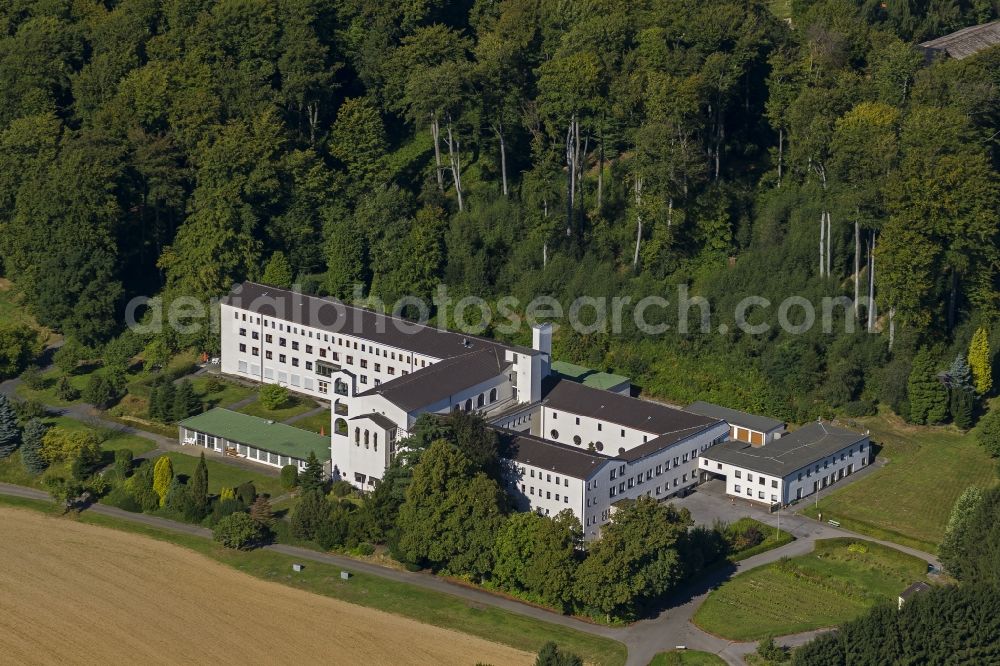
436	134
857	266
571	177
892	326
455	157
829	243
781	152
822	238
498	128
600	173
638	220
871	283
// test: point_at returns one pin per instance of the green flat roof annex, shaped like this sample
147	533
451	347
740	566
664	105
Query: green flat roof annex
587	376
260	433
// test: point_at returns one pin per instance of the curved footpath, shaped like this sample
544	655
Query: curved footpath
644	639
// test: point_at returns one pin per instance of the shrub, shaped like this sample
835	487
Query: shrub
65	390
246	492
213	385
69	356
19	344
223	508
341	489
97	485
32	378
238	531
289	476
123	463
123	499
29	409
863	407
365	549
60	445
100	391
989	432
273	396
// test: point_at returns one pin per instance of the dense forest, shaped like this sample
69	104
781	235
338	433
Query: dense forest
524	147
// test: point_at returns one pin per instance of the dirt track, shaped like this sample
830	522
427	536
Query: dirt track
76	593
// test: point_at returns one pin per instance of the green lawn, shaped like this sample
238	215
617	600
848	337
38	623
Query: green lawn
296	405
316	422
773	538
686	658
47	393
227	394
221	474
838	581
909	500
426	606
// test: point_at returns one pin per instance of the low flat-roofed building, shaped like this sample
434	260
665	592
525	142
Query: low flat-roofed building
743	427
251	437
605	381
790	467
915	588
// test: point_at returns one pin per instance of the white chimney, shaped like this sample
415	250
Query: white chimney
541	338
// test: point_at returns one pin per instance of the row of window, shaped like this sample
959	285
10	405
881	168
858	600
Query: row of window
760	479
760	493
548	477
600	428
325	337
659	468
548	494
632	482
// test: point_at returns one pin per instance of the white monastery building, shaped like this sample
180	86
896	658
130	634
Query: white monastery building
791	467
572	446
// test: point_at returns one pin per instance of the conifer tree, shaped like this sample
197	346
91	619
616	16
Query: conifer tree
261	511
10	434
31	446
199	486
312	477
186	402
165	398
979	361
163	474
278	271
928	399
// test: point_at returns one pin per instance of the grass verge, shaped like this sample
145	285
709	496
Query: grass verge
426	606
835	583
687	658
909	500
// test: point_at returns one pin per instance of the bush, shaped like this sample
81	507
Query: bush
123	499
273	396
238	531
123	463
100	391
29	409
246	492
341	489
32	378
65	391
289	476
862	407
69	356
365	549
213	385
224	507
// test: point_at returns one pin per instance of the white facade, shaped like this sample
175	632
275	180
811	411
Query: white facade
760	483
368	420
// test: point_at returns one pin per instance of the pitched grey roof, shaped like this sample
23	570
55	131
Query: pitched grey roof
443	379
337	317
667	423
787	454
914	589
381	420
546	454
734	416
967	41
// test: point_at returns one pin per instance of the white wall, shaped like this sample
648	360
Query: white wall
795	485
562	426
372	363
545	491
